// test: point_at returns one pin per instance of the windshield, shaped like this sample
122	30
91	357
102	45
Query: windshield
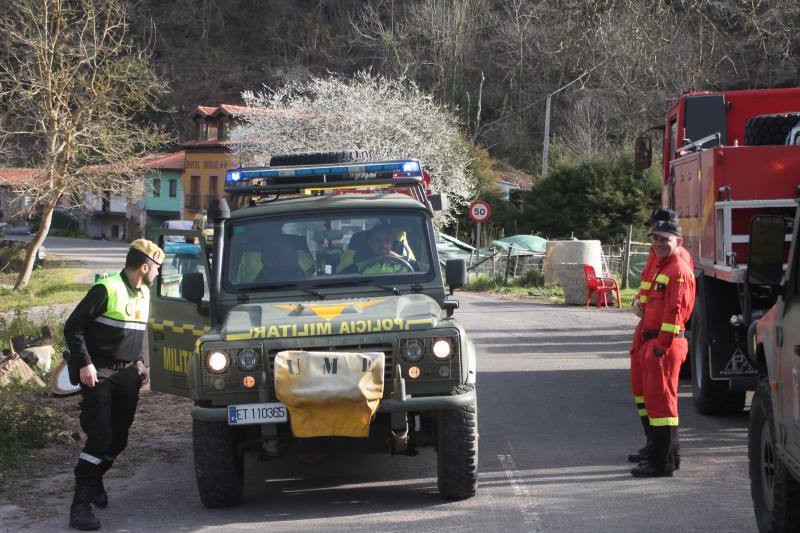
328	249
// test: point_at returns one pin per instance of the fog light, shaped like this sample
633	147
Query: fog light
444	371
441	349
413	372
414	350
249	382
247	360
219	383
217	361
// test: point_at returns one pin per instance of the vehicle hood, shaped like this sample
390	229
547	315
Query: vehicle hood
331	317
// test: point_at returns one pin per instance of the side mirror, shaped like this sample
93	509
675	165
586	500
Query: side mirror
644	152
455	274
193	287
766	250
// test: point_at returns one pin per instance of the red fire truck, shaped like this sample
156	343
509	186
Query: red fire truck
727	156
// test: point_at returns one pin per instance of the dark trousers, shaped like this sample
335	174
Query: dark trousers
107	412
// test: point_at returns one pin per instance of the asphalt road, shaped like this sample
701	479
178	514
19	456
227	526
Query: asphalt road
87	253
556	420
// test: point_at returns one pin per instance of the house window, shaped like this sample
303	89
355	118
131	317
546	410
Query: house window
212	131
173	188
156	187
221	132
212	185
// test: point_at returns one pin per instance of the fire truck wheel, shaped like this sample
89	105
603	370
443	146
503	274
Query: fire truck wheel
775	493
710	397
218	466
318	158
457	450
764	130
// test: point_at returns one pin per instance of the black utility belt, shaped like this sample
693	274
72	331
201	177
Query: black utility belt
113	364
650	334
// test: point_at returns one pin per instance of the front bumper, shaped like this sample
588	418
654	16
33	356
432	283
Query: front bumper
398	403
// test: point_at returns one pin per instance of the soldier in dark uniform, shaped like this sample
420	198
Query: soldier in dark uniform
105	334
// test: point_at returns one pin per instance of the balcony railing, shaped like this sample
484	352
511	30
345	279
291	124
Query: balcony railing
192	201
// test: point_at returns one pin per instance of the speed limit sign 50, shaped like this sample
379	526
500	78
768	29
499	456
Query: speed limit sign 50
479	211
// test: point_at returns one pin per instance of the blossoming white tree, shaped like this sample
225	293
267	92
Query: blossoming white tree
387	117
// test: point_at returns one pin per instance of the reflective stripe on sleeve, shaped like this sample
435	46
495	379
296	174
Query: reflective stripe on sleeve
670	328
645	285
642	412
643	299
638	399
667	421
141	326
661	278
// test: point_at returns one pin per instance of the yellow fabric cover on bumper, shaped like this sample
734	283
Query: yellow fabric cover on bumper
329	394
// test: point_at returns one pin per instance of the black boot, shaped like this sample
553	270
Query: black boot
661	462
676	455
81	515
99	494
644	453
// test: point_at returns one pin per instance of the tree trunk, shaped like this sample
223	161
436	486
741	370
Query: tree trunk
33	247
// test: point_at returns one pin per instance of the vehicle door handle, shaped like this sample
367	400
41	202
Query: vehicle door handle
158	335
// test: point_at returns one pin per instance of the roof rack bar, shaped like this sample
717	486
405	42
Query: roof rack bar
343	184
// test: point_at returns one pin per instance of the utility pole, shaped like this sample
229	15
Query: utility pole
546	142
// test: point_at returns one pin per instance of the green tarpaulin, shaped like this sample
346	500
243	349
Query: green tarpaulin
522	244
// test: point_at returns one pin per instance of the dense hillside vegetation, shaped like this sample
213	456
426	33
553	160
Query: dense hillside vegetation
494	60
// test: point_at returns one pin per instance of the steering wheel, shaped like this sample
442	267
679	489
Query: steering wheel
387	258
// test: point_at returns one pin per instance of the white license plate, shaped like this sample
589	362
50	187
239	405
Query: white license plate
257	413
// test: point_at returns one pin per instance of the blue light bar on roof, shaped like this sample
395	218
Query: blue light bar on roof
406	168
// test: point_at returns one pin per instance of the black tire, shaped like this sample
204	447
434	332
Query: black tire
765	130
457	450
710	397
318	158
218	467
775	493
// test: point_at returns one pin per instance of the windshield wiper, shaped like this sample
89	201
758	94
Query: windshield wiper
293	286
360	282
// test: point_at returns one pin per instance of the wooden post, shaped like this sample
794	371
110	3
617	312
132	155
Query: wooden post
508	264
626	258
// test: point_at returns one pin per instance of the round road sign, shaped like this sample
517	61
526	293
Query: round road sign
479	211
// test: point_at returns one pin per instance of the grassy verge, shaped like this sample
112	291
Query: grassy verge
46	287
531	286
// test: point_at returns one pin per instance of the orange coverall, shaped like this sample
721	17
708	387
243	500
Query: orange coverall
669	306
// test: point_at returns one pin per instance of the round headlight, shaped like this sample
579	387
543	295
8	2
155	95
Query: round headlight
247	360
441	348
217	361
414	350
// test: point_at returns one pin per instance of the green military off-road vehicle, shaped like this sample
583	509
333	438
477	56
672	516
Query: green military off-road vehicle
774	345
317	322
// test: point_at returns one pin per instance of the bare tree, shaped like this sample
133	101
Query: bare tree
388	117
71	86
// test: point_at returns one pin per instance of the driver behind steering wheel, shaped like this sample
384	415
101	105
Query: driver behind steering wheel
381	259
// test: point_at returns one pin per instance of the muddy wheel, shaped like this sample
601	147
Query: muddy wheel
218	467
764	130
457	449
710	397
776	495
318	158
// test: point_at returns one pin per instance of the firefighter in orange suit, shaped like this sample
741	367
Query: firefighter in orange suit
669	305
639	303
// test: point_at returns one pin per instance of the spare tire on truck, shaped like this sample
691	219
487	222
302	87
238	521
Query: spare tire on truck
768	130
319	158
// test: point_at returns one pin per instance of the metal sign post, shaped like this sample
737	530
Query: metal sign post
479	212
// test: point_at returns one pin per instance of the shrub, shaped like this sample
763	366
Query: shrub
25	423
531	278
484	282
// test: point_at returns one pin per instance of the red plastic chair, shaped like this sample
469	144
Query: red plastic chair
600	287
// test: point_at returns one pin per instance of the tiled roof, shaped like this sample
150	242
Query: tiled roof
205	144
522	183
176	161
10	176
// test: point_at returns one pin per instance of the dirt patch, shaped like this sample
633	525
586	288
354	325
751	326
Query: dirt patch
42	484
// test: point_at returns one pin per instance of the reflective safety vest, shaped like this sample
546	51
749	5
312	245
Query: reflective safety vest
124	310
